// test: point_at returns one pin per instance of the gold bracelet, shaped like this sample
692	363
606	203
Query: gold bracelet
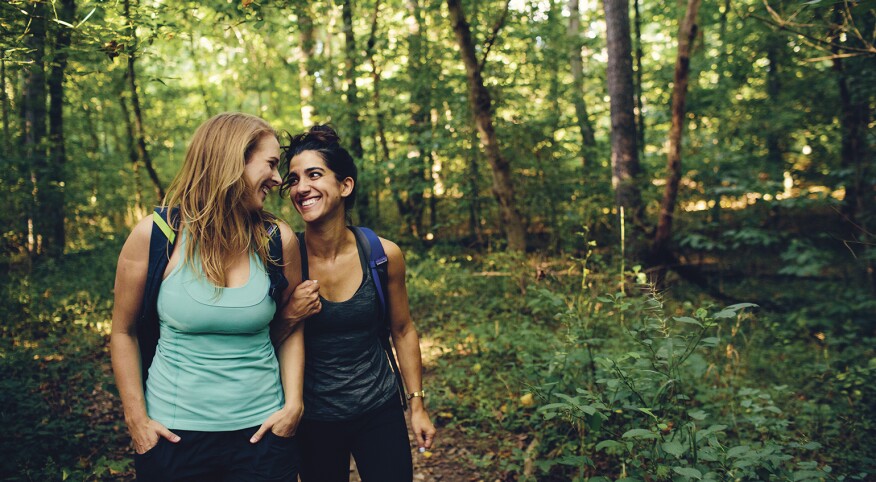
421	394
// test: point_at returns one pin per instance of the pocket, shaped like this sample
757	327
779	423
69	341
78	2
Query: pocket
278	458
151	450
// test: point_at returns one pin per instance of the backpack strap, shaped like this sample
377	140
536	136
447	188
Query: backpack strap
378	264
161	243
279	283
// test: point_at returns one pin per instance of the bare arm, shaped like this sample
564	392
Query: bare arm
288	336
302	298
129	287
407	343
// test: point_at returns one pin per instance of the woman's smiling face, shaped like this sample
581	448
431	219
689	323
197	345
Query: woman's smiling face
261	172
314	188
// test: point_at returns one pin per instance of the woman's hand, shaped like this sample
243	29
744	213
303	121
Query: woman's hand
303	302
283	423
422	427
146	435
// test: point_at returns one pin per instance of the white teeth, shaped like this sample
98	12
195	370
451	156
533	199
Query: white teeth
308	202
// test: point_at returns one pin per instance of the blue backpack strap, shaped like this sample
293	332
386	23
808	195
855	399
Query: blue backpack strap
378	264
165	221
279	283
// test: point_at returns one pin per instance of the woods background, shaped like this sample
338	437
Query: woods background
593	195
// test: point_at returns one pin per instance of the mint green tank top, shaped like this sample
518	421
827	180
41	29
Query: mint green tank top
215	368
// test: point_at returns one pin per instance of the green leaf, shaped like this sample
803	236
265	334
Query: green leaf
739	306
697	414
674	448
688	320
738	451
639	433
610	444
688	472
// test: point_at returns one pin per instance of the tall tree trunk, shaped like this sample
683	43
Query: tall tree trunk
624	152
52	203
4	104
35	97
686	34
381	143
142	153
419	159
588	140
481	104
854	120
775	158
132	148
640	114
305	53
354	122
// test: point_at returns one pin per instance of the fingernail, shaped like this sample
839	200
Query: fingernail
315	281
253	440
176	438
422	449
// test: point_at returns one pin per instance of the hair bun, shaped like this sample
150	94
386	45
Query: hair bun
324	133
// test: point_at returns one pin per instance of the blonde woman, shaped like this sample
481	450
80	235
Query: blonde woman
216	402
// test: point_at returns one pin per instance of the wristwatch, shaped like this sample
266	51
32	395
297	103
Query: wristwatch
421	394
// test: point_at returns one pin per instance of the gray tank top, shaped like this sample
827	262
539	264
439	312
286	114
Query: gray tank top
346	372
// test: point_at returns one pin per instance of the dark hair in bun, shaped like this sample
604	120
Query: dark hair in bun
325	141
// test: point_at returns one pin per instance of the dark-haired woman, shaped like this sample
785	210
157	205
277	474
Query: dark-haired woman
351	397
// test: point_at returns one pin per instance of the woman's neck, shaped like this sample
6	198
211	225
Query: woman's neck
327	239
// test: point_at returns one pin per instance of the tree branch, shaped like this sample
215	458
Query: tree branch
488	45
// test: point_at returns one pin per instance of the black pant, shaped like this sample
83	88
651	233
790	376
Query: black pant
220	456
377	439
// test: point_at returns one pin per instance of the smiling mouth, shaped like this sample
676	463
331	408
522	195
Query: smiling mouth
309	202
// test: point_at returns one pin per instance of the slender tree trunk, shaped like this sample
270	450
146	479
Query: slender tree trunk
687	32
142	152
353	116
52	203
4	104
381	142
35	97
775	162
640	114
854	119
132	151
588	140
419	159
624	152
306	45
481	103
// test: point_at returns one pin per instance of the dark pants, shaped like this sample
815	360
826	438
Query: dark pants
220	456
378	441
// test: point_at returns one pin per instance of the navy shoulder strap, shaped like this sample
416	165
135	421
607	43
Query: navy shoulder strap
165	221
279	283
378	264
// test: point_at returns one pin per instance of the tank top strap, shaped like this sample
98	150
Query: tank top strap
305	269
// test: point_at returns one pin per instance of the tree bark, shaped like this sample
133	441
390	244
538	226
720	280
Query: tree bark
4	104
418	162
52	206
686	34
142	152
854	119
775	158
588	140
640	114
354	123
305	70
624	152
381	141
481	104
34	109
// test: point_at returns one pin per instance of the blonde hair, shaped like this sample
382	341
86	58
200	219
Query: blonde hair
211	193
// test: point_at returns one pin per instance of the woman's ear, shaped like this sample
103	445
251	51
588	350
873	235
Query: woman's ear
347	186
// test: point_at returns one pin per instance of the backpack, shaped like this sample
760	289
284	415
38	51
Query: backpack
161	245
378	265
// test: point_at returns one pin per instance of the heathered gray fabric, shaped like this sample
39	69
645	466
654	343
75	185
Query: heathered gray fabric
346	372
